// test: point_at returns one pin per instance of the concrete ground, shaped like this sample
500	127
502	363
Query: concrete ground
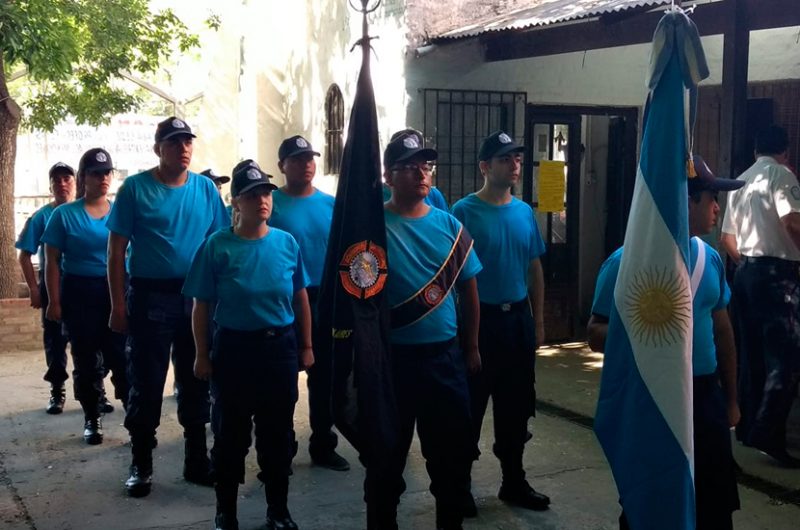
50	479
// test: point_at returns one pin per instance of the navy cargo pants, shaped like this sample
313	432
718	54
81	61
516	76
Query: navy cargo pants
95	348
766	302
160	324
55	343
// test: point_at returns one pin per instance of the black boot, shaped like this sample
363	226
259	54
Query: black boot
226	506
520	493
448	516
280	520
381	519
196	466
140	480
58	394
93	431
278	517
104	406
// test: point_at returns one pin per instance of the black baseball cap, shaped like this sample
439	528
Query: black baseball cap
404	145
218	179
96	159
296	145
249	176
60	168
497	144
706	181
171	127
247	162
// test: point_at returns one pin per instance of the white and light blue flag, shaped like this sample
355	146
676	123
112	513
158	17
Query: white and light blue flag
644	412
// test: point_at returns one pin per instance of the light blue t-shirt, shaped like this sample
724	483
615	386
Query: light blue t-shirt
506	238
435	197
252	281
82	239
166	225
712	295
308	219
416	249
30	238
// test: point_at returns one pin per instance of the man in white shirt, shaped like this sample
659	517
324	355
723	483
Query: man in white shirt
761	233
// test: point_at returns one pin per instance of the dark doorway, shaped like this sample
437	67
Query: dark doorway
556	136
556	133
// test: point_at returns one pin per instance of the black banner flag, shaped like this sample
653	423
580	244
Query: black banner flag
353	316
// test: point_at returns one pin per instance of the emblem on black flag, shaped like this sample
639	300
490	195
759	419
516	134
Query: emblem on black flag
363	269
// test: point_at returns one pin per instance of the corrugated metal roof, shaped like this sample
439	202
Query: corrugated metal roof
547	12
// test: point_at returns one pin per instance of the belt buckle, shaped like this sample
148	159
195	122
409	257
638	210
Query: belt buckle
505	308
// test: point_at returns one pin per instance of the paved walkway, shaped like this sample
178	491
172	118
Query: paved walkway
49	479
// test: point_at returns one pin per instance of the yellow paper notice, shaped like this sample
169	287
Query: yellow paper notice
551	186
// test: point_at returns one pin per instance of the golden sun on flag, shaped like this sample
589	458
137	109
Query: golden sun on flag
656	307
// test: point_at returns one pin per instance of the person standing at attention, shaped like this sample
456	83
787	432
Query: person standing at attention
165	213
305	212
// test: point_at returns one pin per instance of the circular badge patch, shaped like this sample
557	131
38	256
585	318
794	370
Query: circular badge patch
301	142
101	157
504	138
253	174
363	269
433	294
178	124
411	143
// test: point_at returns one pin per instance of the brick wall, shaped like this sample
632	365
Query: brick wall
20	326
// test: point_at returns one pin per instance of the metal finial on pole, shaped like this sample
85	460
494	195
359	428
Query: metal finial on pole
364	10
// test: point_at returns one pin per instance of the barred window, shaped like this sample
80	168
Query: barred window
334	125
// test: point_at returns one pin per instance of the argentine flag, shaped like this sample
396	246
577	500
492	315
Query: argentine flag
644	412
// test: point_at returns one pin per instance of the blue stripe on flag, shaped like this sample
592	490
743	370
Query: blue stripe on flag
663	158
650	468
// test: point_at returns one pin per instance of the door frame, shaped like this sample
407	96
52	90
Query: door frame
573	116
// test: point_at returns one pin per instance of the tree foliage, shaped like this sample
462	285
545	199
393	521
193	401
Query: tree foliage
73	54
74	51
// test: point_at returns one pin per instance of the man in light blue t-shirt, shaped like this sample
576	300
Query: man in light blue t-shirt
511	290
165	213
713	353
429	253
62	186
305	212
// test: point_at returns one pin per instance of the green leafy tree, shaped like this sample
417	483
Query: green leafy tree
73	53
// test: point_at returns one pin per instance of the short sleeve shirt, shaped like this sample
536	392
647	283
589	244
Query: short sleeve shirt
416	249
82	239
165	224
712	295
252	281
506	238
754	211
30	238
308	219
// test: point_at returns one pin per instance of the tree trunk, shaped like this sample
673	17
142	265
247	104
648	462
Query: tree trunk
9	124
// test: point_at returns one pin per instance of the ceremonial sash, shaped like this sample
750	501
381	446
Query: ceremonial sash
435	291
699	266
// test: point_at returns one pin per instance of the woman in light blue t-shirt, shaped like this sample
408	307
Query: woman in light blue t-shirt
76	237
254	276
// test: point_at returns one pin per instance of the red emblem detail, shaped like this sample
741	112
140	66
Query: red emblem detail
363	269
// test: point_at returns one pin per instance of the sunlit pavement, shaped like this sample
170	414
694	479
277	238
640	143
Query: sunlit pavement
50	479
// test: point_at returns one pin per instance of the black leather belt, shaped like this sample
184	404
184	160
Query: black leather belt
511	307
161	285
